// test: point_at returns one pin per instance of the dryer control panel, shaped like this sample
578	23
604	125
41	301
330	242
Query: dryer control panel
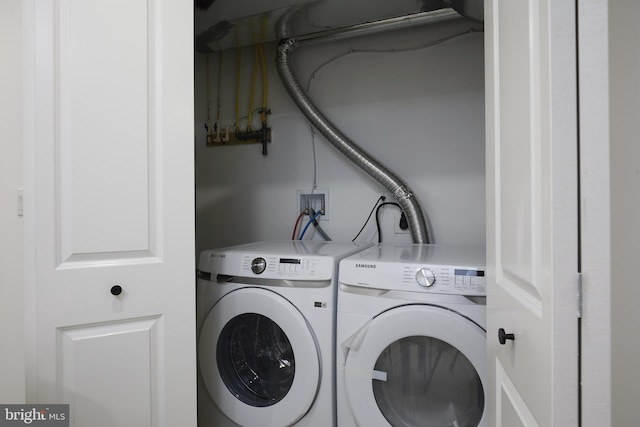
447	279
440	269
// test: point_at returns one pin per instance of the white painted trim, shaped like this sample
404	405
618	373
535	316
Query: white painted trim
12	368
28	146
595	214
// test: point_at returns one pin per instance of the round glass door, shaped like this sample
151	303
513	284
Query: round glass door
255	359
417	366
259	359
427	382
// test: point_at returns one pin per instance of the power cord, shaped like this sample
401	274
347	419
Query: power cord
380	199
378	219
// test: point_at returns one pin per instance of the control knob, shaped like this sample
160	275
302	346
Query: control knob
425	277
258	265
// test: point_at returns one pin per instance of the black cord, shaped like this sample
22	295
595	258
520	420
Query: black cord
378	219
380	199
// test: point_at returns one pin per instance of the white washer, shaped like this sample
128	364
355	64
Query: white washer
411	341
266	333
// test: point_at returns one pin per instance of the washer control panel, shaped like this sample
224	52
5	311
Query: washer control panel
303	268
284	260
265	266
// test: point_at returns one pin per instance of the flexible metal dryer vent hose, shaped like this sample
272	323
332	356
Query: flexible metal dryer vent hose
418	223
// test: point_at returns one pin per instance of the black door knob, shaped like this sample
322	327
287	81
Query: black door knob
503	336
116	290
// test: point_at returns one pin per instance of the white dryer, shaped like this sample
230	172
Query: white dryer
266	333
411	341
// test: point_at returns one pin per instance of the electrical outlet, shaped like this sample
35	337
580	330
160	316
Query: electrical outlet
318	201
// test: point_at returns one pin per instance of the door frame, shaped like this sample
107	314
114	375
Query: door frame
12	369
595	216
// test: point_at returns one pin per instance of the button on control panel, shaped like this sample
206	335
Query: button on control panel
258	265
425	277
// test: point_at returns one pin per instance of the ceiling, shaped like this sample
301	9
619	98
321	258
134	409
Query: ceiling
232	23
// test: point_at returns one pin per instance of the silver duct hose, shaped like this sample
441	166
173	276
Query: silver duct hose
418	223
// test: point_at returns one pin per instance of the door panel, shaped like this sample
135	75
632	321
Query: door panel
519	126
515	158
90	371
110	149
510	405
532	244
107	149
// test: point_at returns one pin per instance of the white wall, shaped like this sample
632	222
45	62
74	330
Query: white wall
624	83
421	113
12	365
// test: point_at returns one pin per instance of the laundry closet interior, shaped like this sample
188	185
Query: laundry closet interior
411	94
504	160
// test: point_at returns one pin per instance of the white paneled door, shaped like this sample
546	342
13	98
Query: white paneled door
532	217
110	210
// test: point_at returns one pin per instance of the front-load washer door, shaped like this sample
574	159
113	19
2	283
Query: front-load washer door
259	358
417	365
